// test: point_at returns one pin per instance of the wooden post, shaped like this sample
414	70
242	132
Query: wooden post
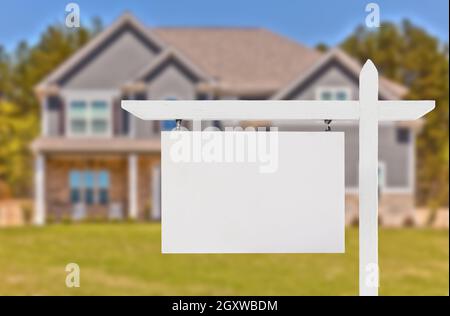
368	181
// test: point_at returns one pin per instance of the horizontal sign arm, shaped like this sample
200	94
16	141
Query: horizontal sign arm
271	109
403	110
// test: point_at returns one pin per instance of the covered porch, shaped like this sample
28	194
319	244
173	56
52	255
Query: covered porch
98	179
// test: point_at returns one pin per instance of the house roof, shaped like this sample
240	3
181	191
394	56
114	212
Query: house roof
167	55
388	89
241	59
232	61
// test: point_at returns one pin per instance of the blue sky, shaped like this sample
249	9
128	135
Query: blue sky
309	22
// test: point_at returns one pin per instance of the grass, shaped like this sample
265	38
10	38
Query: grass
125	259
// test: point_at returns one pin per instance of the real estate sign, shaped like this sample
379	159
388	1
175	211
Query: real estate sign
223	207
253	192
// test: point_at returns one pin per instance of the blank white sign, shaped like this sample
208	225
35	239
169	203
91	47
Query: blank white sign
290	203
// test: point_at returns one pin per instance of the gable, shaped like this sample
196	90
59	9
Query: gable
171	79
338	69
331	74
113	62
171	62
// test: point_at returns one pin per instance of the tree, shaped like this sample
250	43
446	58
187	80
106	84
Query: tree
409	55
19	107
322	47
4	71
16	130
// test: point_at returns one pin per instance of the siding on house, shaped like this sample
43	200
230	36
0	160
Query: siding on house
331	75
169	81
55	112
113	64
173	82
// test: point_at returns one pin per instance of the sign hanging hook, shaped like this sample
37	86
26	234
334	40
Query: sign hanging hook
178	124
328	128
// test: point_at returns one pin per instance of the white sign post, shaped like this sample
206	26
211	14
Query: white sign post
368	110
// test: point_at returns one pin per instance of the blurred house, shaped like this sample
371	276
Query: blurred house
94	160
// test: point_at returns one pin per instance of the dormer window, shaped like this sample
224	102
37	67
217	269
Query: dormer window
342	95
333	93
326	95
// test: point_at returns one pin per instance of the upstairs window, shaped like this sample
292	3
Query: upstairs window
77	114
326	95
89	118
342	95
333	93
169	125
99	117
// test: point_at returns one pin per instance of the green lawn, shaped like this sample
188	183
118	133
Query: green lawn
125	259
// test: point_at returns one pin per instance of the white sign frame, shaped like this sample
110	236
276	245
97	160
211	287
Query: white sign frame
368	110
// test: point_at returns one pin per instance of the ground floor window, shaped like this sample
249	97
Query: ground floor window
75	184
103	187
89	186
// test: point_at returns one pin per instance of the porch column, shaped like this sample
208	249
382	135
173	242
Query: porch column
39	190
132	186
